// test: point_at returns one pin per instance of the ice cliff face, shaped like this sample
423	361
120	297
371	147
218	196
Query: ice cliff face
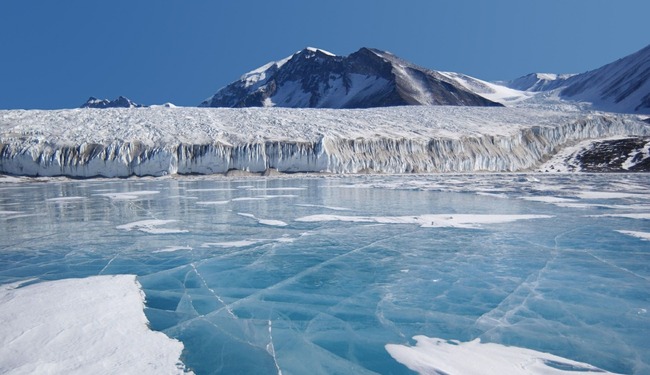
160	141
313	78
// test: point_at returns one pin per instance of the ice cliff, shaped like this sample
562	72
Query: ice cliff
159	141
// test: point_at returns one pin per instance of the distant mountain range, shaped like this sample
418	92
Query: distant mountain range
315	78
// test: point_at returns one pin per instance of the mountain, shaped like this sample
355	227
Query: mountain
621	86
120	102
537	82
314	78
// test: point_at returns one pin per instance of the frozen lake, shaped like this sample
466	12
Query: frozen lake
337	275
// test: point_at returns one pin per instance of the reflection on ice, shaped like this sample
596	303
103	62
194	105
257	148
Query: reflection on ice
321	280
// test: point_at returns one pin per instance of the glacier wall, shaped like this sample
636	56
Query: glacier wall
520	147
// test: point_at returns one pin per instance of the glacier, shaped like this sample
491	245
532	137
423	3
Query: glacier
118	142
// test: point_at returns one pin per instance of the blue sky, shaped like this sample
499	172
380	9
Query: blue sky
55	54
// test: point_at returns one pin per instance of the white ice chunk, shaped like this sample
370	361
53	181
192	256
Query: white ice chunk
99	328
437	356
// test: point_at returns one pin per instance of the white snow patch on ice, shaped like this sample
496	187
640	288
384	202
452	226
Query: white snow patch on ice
128	195
10	212
610	195
212	203
151	226
172	249
427	221
548	199
643	216
242	243
215	189
99	328
642	235
65	199
270	222
333	208
438	356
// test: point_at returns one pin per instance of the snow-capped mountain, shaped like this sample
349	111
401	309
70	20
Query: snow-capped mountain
536	82
120	102
314	78
621	86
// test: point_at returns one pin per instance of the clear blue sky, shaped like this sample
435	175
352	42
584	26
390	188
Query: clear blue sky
55	54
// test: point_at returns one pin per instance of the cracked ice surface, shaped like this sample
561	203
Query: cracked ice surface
328	277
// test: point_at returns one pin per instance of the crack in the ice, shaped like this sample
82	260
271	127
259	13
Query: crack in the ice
109	263
307	271
226	306
271	349
617	267
528	287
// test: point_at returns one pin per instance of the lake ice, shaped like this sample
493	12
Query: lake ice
338	275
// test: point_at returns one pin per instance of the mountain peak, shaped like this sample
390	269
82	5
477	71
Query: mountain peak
316	78
318	50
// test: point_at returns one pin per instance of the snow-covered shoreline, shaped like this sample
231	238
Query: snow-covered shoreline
162	141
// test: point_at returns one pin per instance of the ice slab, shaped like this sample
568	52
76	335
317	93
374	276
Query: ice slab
93	325
437	356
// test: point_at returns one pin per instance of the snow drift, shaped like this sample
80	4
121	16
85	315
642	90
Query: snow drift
159	141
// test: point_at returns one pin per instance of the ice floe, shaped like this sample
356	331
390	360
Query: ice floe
94	325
